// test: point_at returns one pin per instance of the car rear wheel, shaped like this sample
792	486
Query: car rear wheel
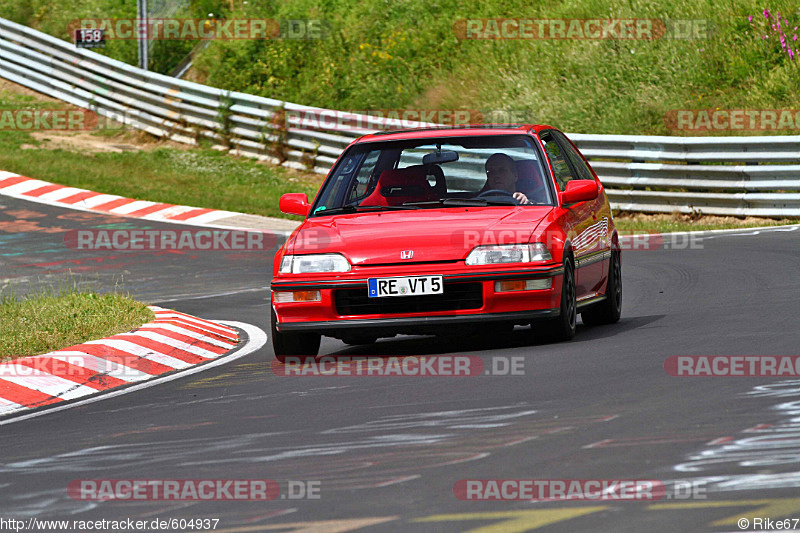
286	344
609	310
562	328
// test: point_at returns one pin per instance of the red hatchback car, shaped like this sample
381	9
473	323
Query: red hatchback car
420	231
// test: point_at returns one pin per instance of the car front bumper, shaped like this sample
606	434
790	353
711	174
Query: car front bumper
327	317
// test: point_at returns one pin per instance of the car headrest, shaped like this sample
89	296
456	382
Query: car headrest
530	182
528	171
396	186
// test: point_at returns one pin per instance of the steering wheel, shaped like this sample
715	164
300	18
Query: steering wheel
495	192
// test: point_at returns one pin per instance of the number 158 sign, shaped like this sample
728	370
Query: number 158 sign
89	38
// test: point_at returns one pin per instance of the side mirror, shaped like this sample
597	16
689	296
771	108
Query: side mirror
295	203
579	191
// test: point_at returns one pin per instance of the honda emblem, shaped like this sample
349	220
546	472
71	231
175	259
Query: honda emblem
406	254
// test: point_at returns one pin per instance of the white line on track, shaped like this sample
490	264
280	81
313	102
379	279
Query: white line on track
203	221
203	296
755	231
256	338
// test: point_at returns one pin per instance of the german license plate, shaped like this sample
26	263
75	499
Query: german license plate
405	286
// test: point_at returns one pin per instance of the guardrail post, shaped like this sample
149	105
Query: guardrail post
143	34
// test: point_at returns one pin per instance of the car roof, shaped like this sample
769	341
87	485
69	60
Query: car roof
450	131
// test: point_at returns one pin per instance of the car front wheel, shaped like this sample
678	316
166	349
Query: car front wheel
287	344
562	328
609	310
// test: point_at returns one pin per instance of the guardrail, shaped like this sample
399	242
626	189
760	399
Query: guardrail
758	176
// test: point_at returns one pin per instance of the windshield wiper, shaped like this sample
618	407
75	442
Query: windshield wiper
507	201
462	202
450	202
359	208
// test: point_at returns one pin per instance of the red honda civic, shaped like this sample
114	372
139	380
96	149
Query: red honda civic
428	230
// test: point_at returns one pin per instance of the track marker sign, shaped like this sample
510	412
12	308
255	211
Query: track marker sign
89	37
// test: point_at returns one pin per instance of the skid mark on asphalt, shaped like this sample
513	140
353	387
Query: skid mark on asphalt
242	373
650	440
392	450
765	446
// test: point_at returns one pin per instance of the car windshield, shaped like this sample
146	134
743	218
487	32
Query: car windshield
435	173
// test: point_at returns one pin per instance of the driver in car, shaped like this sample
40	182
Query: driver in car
501	174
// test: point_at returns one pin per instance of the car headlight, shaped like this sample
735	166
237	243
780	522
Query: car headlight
508	253
305	264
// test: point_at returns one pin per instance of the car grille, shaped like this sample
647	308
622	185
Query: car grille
456	296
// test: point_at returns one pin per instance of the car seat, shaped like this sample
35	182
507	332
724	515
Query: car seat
398	186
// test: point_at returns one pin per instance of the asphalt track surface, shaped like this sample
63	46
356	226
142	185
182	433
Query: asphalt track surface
387	451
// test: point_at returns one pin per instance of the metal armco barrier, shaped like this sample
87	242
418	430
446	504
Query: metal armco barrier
757	176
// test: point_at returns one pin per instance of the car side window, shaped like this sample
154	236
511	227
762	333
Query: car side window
558	159
582	170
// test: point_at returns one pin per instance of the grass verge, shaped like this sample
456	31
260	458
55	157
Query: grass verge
50	320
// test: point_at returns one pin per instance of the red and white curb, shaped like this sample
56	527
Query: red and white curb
45	192
173	341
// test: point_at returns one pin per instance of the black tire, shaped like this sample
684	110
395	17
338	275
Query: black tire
287	344
609	310
562	328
